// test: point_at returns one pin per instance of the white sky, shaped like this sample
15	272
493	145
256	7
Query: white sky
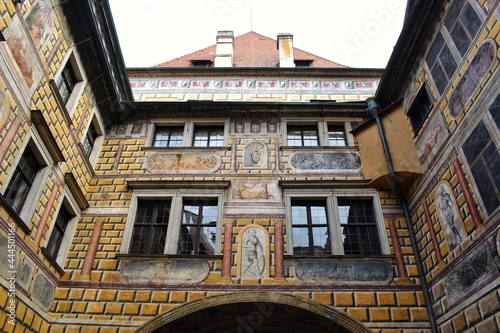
356	33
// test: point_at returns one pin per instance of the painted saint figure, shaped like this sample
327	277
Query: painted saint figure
253	259
450	216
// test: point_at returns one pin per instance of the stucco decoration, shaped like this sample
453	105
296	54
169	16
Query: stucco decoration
40	22
42	292
431	139
478	268
324	271
256	156
172	272
25	273
255	190
6	263
326	161
473	76
253	252
183	162
449	215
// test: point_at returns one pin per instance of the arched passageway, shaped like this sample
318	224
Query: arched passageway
254	313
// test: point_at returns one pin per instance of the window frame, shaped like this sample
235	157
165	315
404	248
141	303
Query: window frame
335	231
483	115
34	142
71	60
95	122
414	114
451	45
189	126
70	204
176	197
323	131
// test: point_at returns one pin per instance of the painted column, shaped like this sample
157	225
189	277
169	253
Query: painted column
9	137
92	249
46	213
227	251
476	219
397	251
435	243
278	250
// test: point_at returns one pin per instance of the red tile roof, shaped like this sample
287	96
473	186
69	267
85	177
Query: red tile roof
251	50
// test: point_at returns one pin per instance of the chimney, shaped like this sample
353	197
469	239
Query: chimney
224	49
285	47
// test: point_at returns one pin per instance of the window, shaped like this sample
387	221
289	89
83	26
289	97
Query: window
189	134
183	222
208	136
310	228
150	228
56	238
22	180
198	227
201	63
419	110
332	222
461	25
483	157
89	140
359	229
302	136
336	136
168	137
320	133
303	63
66	82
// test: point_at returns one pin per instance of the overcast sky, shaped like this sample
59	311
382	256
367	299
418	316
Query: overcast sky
356	33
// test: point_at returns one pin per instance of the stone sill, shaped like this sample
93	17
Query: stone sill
167	257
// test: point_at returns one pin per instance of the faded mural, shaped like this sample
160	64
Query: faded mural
449	215
431	139
253	253
40	22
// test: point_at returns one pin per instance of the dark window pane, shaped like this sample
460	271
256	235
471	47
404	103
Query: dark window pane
495	111
471	20
22	180
198	227
483	158
448	62
58	231
359	229
212	136
460	38
310	228
420	109
150	227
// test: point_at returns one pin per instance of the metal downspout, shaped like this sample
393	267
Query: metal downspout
373	109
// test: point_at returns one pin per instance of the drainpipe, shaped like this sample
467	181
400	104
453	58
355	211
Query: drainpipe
373	110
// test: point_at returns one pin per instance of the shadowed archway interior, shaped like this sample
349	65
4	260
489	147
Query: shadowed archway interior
255	317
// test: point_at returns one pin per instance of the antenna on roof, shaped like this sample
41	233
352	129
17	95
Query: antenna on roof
251	18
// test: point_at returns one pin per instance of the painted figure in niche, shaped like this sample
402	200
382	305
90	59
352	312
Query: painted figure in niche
255	128
40	23
449	216
239	127
253	260
272	127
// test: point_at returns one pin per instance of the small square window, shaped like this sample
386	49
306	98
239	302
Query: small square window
302	136
336	136
208	136
168	136
89	140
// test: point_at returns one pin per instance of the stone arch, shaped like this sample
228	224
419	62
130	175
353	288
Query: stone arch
254	308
